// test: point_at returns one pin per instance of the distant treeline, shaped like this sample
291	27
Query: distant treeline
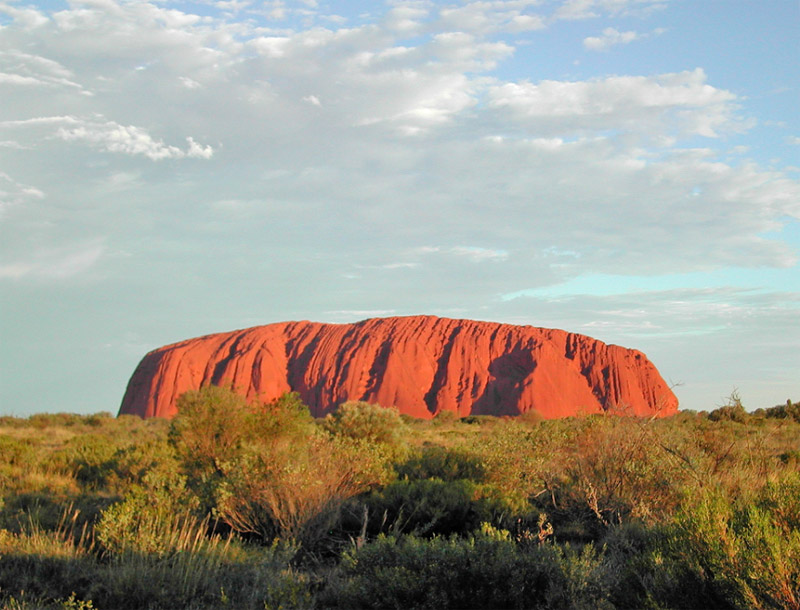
237	504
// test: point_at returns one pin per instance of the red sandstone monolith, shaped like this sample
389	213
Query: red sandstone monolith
423	365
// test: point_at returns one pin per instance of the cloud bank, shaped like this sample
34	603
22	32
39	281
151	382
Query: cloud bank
412	158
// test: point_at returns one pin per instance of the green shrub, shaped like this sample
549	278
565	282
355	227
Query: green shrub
146	521
373	423
159	554
93	460
747	550
614	470
267	469
788	411
295	489
691	511
215	428
445	463
444	418
485	570
514	458
734	413
426	507
134	462
16	452
47	420
480	420
210	427
733	410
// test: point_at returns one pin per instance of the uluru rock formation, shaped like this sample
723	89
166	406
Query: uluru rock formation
421	364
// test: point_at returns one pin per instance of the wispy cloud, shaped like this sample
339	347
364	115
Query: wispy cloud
13	193
492	17
478	254
588	9
612	37
27	70
667	317
638	104
475	254
55	263
110	136
349	314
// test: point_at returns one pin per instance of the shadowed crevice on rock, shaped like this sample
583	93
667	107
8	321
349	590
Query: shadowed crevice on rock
504	390
440	378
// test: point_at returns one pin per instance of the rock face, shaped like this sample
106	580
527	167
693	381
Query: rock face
421	364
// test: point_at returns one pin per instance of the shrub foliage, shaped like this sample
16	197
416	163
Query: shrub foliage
246	504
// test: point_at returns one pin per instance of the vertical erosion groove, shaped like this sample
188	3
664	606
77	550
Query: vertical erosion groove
440	377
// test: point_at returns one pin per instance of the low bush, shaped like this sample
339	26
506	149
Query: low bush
296	490
372	423
788	411
427	507
444	463
484	570
746	550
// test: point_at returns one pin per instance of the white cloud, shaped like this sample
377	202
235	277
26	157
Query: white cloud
26	70
26	17
391	266
645	104
18	79
56	263
610	38
13	193
130	140
488	17
189	83
350	314
480	142
37	121
478	254
348	150
587	9
407	18
234	6
198	151
475	254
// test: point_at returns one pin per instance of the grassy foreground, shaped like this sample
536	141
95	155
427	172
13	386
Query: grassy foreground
252	505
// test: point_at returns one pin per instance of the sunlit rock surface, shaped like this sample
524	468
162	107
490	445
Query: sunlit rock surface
421	364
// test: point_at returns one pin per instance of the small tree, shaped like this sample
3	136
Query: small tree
210	429
368	422
266	468
733	410
295	491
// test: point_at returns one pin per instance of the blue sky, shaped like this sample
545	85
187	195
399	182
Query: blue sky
627	169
